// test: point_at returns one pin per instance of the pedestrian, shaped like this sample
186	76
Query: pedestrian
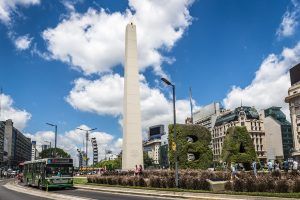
286	166
276	166
233	168
254	167
295	165
136	171
140	170
270	166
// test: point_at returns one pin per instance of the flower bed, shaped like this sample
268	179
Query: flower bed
198	180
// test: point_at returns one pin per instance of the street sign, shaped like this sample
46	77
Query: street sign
173	146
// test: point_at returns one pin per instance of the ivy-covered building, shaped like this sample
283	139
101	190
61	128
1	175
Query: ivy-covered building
279	134
242	116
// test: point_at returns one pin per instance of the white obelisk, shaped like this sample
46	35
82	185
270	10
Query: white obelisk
132	152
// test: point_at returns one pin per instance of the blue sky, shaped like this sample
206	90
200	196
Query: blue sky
61	61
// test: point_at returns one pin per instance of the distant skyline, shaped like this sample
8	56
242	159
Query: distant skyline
62	61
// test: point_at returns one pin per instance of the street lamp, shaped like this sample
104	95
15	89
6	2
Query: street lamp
86	142
175	135
55	141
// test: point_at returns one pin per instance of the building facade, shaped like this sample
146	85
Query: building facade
207	115
279	137
293	99
34	151
241	116
17	147
152	147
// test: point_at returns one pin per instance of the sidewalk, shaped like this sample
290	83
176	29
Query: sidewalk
172	194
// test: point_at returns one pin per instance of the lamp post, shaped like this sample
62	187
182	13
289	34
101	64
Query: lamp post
175	135
55	140
86	142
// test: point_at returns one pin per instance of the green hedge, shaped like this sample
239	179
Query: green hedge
200	147
238	146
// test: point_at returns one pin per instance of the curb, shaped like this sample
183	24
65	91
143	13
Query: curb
172	194
158	193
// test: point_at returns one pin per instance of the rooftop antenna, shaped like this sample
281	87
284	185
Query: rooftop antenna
191	104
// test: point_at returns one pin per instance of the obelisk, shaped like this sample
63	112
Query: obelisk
132	152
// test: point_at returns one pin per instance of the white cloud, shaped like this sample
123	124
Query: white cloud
8	111
270	85
8	7
94	41
105	97
289	20
72	140
23	42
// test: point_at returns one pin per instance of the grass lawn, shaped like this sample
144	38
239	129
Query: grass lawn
80	180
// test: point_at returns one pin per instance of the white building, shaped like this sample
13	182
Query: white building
152	147
293	99
279	138
34	151
207	115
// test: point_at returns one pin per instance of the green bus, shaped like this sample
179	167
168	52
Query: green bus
49	173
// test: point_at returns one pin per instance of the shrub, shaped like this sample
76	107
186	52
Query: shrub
296	187
238	185
228	185
282	186
250	184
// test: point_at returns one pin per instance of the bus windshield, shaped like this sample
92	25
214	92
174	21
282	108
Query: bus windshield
59	170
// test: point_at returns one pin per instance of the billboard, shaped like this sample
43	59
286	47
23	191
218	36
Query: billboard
295	74
156	131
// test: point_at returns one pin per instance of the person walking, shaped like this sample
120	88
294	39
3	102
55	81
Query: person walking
254	167
295	165
270	166
233	168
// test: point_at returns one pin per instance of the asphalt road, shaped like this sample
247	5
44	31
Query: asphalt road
104	196
6	194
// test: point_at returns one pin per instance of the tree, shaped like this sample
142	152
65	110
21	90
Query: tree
148	162
238	147
60	153
192	140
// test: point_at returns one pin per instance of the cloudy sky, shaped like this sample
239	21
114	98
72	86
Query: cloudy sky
62	61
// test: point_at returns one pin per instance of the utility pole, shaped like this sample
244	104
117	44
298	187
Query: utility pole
55	142
175	134
191	104
86	141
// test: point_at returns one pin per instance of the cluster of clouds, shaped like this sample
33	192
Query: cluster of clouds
9	8
104	96
8	111
290	20
100	35
72	140
271	82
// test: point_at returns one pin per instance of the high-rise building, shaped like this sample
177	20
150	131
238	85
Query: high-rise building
17	147
279	137
132	151
293	99
241	116
207	115
34	151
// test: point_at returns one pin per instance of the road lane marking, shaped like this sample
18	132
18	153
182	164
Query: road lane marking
39	193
